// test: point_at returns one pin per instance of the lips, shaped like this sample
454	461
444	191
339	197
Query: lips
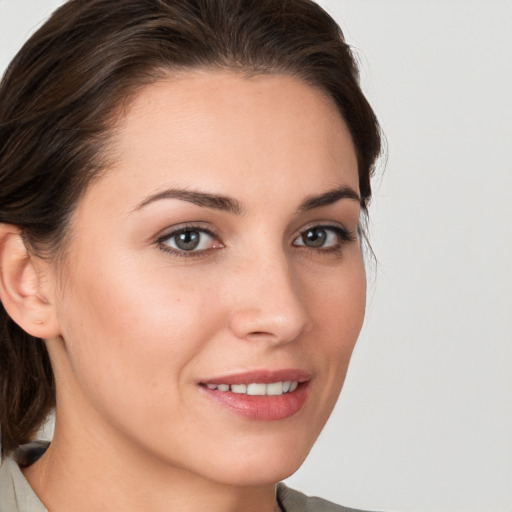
260	395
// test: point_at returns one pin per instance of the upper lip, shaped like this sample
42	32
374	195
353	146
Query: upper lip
261	376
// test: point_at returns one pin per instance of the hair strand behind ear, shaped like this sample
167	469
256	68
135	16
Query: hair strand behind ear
27	391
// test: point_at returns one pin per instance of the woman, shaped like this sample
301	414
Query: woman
182	189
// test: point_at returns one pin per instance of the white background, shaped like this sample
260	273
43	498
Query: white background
425	420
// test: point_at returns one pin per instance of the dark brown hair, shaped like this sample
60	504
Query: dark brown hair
62	93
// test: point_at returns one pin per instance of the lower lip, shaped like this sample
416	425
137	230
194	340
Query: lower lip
262	408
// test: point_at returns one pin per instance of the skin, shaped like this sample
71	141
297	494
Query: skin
136	327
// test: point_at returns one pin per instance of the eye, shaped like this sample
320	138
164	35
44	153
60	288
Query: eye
324	237
189	239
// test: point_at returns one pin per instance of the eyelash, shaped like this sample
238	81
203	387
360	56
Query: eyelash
182	253
343	235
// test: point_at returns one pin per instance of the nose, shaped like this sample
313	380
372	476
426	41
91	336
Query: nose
269	303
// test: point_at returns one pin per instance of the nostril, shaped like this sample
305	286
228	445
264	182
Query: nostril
260	335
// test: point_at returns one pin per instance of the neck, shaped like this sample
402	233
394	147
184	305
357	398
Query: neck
118	476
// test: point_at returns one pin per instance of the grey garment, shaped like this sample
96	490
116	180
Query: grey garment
16	495
294	501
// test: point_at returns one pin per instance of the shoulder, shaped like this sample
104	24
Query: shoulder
16	495
294	501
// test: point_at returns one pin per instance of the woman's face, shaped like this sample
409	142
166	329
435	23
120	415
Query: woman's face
213	287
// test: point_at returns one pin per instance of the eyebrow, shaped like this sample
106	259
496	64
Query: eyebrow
327	198
203	199
231	205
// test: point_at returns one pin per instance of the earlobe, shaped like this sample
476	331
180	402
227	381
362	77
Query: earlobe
22	292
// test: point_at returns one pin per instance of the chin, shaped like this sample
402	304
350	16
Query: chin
264	461
264	472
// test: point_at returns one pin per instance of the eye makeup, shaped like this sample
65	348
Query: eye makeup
193	240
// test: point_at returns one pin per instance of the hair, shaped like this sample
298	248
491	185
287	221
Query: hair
63	92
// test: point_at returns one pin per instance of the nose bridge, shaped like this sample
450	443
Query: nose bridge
268	302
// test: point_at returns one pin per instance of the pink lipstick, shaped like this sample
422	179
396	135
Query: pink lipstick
262	394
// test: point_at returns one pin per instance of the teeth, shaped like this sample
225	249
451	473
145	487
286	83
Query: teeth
257	389
239	388
276	388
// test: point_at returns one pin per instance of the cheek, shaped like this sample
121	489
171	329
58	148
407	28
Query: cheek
344	313
131	331
338	304
338	299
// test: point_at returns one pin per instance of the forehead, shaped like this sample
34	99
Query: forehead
220	129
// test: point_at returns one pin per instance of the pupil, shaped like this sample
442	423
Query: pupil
314	237
187	240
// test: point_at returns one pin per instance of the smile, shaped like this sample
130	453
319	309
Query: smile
260	395
257	388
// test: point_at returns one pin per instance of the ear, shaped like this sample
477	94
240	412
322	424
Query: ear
25	292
